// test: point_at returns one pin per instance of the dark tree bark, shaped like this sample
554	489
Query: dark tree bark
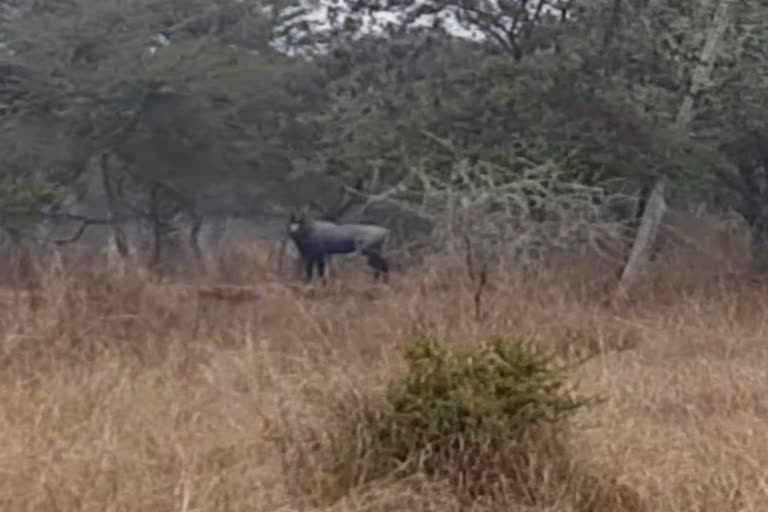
24	271
613	24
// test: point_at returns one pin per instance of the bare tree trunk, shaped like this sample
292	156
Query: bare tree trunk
194	242
613	24
174	247
646	234
118	235
281	253
168	248
194	237
25	271
158	231
654	211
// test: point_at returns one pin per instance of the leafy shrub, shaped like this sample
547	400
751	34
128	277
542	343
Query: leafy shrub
486	420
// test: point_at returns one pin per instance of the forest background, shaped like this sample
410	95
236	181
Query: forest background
588	175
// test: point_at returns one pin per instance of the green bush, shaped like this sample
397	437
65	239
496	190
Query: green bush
23	198
486	420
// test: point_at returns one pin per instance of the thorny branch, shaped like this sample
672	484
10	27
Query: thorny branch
507	211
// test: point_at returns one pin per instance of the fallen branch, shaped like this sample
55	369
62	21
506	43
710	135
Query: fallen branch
229	293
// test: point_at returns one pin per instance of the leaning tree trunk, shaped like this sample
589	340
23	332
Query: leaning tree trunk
655	207
647	230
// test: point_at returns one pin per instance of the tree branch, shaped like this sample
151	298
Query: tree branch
85	223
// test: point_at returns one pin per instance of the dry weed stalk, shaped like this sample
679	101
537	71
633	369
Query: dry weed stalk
478	276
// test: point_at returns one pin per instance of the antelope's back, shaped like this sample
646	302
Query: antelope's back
348	236
368	233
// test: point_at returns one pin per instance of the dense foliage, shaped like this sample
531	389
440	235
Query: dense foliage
251	106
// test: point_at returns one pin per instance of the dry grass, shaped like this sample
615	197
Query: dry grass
122	393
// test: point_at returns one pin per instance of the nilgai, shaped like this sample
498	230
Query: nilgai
316	240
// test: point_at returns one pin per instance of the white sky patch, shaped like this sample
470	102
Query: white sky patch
318	18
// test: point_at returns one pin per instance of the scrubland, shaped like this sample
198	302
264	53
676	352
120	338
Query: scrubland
122	392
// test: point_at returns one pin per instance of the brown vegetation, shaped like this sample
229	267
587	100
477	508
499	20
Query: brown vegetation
120	392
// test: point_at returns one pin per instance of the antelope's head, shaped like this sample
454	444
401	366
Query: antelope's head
298	223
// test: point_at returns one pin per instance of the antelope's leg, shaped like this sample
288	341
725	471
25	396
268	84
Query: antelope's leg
321	268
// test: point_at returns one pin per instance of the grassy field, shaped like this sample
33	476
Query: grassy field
118	392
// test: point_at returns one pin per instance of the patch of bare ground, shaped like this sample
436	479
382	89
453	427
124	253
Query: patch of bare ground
119	392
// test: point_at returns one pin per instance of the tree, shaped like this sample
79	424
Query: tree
163	89
654	209
734	118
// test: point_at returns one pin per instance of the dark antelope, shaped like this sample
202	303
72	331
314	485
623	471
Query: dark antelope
316	240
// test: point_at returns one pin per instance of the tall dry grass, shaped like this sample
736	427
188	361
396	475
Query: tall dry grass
121	392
